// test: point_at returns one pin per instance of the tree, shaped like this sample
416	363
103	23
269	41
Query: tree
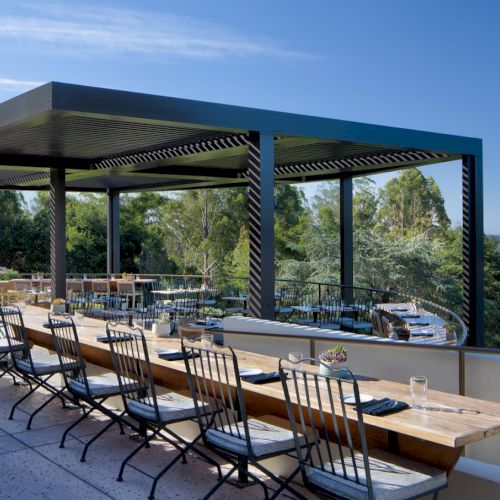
199	230
86	233
411	204
141	237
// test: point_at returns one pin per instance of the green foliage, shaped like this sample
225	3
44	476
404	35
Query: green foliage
402	237
411	204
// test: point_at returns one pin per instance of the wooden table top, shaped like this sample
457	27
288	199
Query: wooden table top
449	420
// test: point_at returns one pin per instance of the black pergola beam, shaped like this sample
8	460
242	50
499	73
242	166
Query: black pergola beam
16	160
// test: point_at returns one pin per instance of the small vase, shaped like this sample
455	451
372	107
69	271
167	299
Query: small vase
161	329
58	308
336	369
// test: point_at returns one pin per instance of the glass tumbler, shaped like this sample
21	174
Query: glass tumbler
295	357
207	340
418	387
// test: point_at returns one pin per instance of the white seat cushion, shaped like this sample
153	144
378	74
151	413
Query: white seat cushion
172	406
5	347
393	477
99	385
49	364
265	438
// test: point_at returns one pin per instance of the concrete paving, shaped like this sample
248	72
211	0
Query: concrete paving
33	466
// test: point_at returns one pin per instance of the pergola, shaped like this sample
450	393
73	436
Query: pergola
65	137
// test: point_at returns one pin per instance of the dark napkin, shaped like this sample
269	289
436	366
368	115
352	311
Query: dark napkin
418	323
380	407
105	340
176	356
262	378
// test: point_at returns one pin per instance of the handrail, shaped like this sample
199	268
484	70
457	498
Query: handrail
346	291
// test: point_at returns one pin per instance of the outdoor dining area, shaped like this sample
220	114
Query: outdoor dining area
187	387
170	303
229	411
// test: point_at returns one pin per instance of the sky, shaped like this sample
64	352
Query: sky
429	65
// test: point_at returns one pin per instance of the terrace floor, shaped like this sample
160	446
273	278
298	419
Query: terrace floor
33	466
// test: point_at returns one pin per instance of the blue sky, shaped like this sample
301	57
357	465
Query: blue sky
429	65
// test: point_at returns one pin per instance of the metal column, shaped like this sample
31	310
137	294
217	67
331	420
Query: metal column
261	223
58	232
113	233
473	248
346	238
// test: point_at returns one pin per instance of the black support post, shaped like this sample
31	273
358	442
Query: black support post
473	248
113	233
261	224
58	232
346	238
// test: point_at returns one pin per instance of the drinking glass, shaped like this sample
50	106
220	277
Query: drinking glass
79	317
295	357
207	340
418	388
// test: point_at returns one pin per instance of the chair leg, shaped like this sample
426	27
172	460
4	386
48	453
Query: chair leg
436	493
161	473
220	483
86	413
282	484
54	396
133	453
100	433
26	396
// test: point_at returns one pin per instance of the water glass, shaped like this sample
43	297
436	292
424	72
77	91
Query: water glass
79	317
295	357
207	340
418	387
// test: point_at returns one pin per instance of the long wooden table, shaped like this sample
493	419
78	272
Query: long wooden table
435	435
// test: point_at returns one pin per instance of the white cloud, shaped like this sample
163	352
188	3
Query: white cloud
114	32
12	85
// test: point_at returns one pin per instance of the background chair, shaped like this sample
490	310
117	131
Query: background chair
222	417
329	463
154	413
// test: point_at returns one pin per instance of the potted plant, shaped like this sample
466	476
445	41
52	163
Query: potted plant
58	306
161	326
333	359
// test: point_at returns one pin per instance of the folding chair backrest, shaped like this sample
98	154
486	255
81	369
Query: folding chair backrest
129	353
331	310
317	410
125	286
16	334
376	324
186	305
21	285
100	286
67	345
215	383
74	285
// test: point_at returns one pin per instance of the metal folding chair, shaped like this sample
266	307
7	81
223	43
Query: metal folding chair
92	390
335	462
36	371
215	384
154	413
